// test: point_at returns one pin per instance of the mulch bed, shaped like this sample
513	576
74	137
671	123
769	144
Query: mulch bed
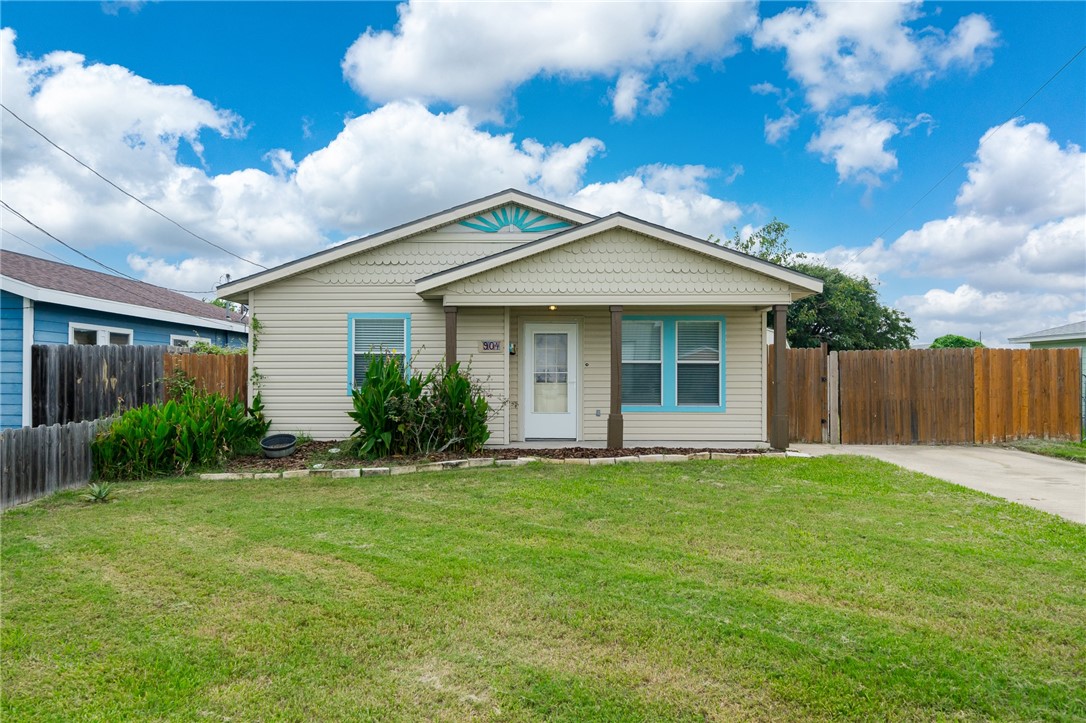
310	453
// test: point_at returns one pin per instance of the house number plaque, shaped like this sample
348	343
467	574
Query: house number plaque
490	345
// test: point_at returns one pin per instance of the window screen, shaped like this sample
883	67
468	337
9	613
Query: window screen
698	363
377	336
642	368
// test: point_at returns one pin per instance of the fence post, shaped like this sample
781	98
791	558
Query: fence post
833	396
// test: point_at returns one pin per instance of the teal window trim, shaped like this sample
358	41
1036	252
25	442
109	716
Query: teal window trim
669	368
350	339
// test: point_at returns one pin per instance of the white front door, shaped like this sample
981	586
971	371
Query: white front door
550	393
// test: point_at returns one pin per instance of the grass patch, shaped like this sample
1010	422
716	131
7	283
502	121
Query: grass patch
767	589
1074	451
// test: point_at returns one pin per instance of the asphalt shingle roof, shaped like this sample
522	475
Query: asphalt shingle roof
74	280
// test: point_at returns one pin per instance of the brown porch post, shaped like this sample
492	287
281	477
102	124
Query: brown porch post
778	427
450	335
614	418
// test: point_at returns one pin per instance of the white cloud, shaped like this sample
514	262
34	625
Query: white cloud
673	196
398	162
856	143
1021	173
841	50
995	315
778	129
444	52
402	161
1018	241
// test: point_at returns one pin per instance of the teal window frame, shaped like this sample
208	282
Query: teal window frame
375	315
669	367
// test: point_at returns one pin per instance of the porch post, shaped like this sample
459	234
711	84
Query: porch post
450	336
778	428
614	418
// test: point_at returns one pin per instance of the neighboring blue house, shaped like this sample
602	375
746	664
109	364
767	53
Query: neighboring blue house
68	305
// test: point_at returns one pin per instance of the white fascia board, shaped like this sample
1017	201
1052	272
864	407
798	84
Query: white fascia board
804	283
236	290
1039	339
63	298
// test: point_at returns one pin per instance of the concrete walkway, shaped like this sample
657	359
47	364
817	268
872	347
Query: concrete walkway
1052	485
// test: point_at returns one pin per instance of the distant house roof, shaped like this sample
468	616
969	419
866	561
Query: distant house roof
1068	332
35	278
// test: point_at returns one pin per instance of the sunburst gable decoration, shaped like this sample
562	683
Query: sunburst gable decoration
513	218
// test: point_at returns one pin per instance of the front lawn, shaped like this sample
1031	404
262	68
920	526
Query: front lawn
768	589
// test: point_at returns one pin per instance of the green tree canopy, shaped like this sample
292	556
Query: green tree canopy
953	341
847	314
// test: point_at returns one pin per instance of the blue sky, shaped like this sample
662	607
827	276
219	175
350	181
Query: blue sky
275	129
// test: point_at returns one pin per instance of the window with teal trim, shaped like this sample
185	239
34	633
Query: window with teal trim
673	364
376	334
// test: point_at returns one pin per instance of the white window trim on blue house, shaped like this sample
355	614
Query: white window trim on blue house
352	319
669	366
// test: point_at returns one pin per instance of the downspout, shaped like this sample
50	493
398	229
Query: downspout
28	360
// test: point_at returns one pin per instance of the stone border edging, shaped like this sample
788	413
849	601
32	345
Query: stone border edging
354	472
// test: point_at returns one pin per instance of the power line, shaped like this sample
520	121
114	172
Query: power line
89	258
959	164
39	248
134	198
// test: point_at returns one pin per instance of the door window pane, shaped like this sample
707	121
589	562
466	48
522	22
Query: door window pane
551	374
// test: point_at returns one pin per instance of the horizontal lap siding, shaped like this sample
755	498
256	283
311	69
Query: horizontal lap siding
302	350
473	326
11	360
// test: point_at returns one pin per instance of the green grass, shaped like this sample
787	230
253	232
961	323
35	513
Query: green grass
1075	451
771	589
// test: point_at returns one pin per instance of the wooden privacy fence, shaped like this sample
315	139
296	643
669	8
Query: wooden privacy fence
933	396
38	461
227	374
74	383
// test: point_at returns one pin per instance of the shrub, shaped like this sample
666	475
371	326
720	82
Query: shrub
196	429
98	492
402	414
954	341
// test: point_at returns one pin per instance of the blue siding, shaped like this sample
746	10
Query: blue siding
11	360
51	326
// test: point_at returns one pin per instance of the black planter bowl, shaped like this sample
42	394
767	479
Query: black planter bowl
279	445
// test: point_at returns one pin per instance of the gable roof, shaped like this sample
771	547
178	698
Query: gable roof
1068	332
802	284
236	289
52	282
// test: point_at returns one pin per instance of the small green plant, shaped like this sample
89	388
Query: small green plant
204	347
98	492
178	383
415	414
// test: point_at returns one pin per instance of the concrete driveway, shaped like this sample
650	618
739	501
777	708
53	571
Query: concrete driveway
1052	485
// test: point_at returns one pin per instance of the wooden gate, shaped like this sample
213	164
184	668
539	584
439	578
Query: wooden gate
806	375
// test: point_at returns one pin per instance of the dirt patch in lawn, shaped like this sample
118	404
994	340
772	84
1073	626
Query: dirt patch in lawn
334	455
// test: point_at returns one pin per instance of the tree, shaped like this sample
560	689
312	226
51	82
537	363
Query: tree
770	243
847	314
953	341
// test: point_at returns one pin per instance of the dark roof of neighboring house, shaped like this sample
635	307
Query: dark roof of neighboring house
1074	330
74	280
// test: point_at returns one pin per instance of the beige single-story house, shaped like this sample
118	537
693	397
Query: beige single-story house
593	329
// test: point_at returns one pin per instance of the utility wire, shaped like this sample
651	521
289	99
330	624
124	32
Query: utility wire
89	258
39	248
959	164
134	198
